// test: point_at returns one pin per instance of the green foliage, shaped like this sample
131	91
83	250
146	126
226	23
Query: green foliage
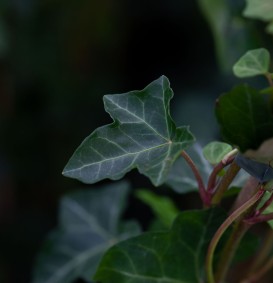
259	9
142	136
244	117
253	63
162	206
182	247
232	34
215	151
86	230
176	256
262	10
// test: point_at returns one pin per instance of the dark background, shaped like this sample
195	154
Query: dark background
57	59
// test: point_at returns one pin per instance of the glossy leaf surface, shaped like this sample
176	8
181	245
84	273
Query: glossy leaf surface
215	151
244	117
143	136
88	225
176	256
254	62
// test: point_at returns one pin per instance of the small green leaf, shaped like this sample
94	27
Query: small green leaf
89	223
143	136
259	9
162	206
254	62
244	117
176	256
215	151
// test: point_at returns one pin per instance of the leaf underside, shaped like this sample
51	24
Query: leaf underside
176	256
143	136
254	62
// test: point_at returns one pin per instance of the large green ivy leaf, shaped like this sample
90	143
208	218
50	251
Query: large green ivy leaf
252	63
244	117
259	9
88	226
142	136
176	256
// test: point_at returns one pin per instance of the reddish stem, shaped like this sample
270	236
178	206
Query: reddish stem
205	197
260	218
216	170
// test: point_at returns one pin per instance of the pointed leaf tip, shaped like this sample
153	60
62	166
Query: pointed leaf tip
143	136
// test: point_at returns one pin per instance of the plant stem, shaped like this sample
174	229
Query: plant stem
216	170
217	236
225	182
260	273
229	250
269	79
263	253
205	197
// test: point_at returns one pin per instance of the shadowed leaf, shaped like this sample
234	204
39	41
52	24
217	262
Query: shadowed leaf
88	226
176	256
244	117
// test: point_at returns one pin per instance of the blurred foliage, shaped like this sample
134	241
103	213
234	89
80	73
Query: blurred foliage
57	59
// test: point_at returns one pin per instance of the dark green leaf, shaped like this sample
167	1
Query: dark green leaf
162	206
252	63
142	136
215	151
88	226
176	256
244	117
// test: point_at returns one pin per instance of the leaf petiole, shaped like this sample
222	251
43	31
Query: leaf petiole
205	197
219	233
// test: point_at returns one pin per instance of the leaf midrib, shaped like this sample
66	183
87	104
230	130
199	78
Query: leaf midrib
141	119
169	143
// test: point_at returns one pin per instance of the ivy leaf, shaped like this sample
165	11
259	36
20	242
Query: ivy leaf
215	151
176	256
252	63
143	136
89	223
259	9
244	117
